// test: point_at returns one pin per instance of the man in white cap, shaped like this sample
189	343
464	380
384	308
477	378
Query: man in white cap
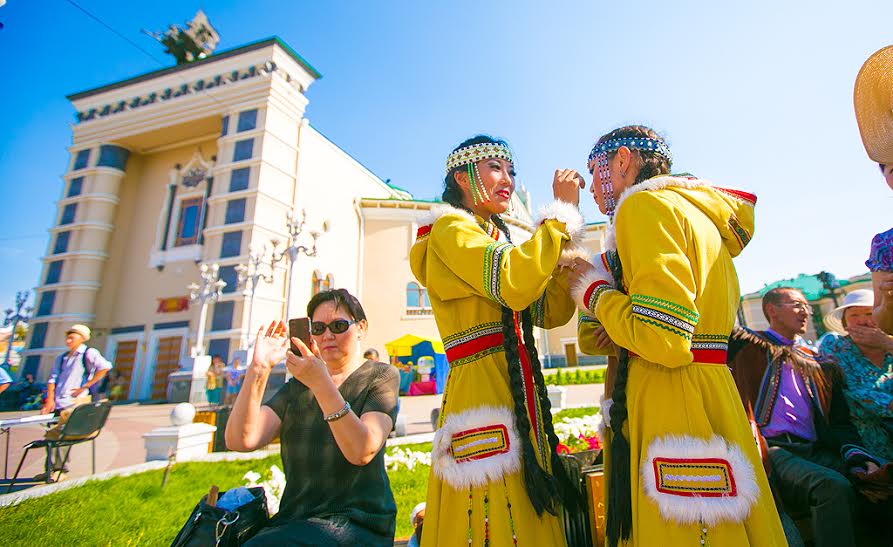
73	374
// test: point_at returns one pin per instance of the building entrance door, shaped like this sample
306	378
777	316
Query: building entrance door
125	359
570	354
166	362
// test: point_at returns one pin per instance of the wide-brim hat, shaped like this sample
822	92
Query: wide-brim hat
873	99
834	320
83	330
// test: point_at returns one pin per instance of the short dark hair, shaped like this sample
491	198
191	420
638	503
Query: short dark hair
216	356
371	353
342	299
773	296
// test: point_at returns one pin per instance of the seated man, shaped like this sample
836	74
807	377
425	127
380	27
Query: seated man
814	449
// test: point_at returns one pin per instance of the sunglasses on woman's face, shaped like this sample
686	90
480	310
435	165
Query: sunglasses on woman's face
338	326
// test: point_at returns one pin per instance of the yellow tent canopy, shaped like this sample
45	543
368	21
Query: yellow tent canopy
402	347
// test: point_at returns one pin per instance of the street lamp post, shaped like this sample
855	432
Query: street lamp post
295	226
21	313
208	291
249	277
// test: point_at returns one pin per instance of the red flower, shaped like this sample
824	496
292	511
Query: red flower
562	449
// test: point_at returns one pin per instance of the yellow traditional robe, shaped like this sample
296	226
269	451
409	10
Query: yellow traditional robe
476	490
696	472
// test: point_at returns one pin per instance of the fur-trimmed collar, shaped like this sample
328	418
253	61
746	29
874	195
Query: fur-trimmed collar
443	209
655	183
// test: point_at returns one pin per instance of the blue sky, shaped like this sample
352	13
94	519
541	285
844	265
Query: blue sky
756	95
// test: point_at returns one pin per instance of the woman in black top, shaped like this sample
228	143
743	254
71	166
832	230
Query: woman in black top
333	419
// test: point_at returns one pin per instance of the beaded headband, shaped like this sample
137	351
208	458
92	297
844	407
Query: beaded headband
477	152
657	146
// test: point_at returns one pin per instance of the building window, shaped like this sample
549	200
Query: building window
188	225
38	335
219	346
61	245
75	187
229	275
231	244
235	211
247	121
54	273
81	160
416	296
225	128
223	316
243	150
47	299
113	156
68	214
238	179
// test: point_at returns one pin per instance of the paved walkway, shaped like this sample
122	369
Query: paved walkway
121	442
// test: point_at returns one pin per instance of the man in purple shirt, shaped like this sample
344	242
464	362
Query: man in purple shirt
814	450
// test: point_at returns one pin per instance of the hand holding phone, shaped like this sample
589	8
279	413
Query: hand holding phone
299	328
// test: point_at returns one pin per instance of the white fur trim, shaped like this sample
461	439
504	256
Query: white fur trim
438	211
462	475
605	411
578	290
693	509
566	213
573	251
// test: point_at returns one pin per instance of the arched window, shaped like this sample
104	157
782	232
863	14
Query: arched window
328	283
413	295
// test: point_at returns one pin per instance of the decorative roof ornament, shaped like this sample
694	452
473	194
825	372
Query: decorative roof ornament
195	42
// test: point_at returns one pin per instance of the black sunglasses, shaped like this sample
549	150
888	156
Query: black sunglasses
337	326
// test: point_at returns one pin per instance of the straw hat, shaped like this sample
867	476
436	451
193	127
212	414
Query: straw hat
862	297
83	330
873	98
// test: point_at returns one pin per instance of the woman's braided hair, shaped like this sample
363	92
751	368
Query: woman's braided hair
619	517
545	490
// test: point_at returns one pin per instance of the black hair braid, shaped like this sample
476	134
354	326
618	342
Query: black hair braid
620	512
542	489
570	493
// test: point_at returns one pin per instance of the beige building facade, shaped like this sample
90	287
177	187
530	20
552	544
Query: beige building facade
201	164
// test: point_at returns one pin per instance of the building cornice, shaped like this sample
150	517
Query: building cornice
260	44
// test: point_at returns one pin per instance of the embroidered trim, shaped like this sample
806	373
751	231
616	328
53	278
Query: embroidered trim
593	293
683	334
423	232
476	152
479	443
709	477
473	344
491	270
740	195
694	480
710	348
658	315
538	311
583	317
475	472
740	233
666	305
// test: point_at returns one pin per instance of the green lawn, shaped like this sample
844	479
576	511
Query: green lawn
135	510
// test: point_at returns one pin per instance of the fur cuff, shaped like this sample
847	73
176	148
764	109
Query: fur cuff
605	411
573	251
566	213
695	480
581	292
476	446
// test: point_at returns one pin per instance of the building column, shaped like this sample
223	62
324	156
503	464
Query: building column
78	250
